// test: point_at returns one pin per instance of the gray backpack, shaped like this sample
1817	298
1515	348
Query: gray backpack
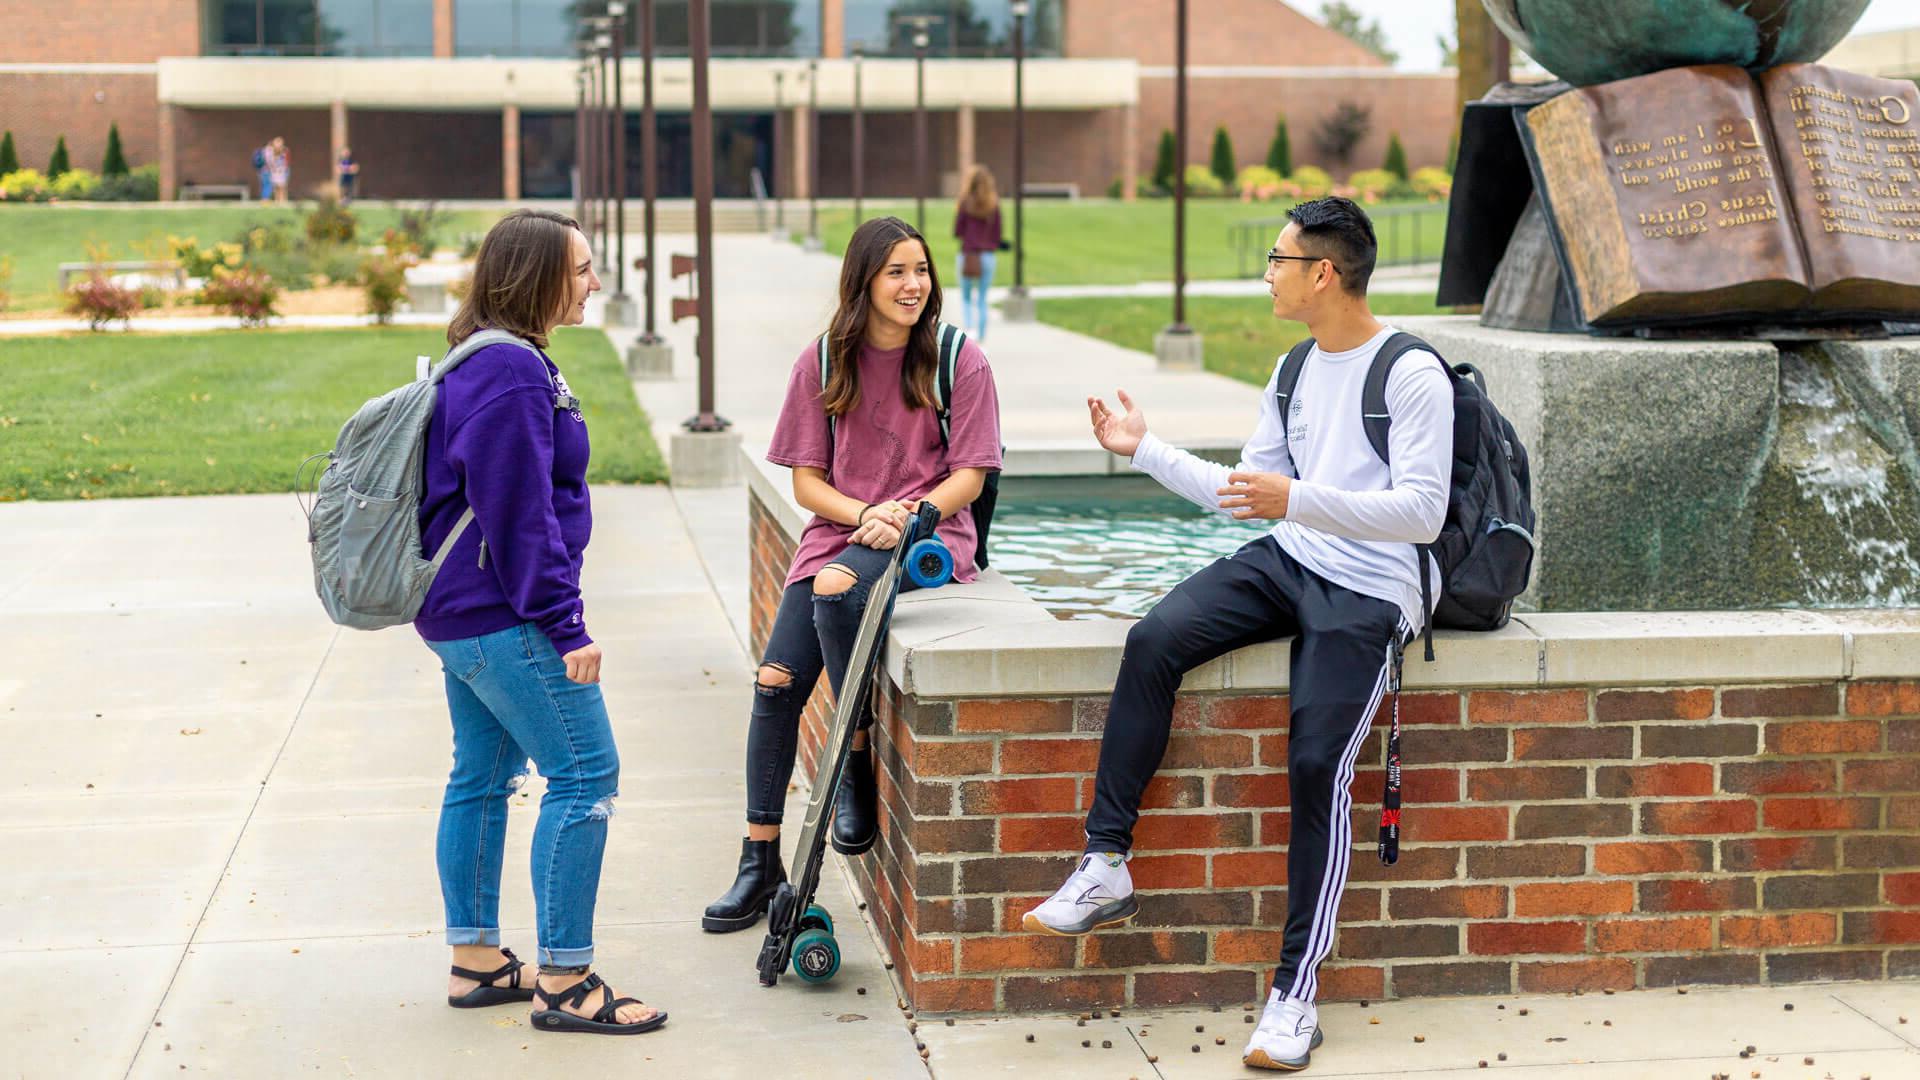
363	520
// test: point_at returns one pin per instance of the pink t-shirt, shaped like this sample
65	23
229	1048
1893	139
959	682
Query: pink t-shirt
885	450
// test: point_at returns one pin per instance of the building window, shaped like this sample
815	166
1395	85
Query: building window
956	27
741	27
520	27
318	27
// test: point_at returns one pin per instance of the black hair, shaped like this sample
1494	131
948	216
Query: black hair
1337	229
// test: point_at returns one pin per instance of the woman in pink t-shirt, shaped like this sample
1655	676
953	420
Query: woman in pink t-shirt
865	451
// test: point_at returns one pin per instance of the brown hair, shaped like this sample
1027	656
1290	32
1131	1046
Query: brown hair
520	279
867	253
978	196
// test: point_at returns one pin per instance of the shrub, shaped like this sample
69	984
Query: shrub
245	292
9	158
1342	129
1163	163
398	242
1372	185
139	185
423	224
199	262
384	280
331	223
1222	161
1433	184
338	265
58	165
100	301
1257	183
24	185
1312	181
1280	151
115	162
75	184
1396	158
1201	182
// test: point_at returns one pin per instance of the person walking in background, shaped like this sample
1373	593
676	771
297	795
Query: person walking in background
262	161
976	221
349	170
279	168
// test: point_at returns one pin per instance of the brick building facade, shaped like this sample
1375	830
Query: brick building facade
198	103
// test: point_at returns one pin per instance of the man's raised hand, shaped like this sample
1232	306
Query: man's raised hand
1118	432
1250	495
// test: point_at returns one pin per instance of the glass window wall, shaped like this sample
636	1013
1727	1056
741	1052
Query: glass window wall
318	27
954	27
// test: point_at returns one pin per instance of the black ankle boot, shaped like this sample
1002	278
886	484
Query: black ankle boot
761	872
856	819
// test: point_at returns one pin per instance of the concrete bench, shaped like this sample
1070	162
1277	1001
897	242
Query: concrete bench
200	192
1596	802
1051	190
162	267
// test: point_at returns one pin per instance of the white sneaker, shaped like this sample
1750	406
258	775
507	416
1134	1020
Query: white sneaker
1288	1034
1097	895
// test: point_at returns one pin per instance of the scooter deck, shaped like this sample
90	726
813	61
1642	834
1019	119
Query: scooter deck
791	900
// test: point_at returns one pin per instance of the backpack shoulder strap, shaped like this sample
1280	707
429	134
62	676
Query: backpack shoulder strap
1373	396
952	340
473	344
1289	378
826	367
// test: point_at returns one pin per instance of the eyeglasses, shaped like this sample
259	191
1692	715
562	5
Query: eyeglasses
1274	256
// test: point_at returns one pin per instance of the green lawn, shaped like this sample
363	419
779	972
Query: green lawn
1243	339
39	237
1105	242
106	415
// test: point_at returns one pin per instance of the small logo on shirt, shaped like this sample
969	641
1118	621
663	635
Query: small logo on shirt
566	396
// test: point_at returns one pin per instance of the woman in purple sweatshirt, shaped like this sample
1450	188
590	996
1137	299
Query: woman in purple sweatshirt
976	224
865	450
504	615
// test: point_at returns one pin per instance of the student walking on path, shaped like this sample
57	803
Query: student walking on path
508	445
976	222
1338	573
279	168
862	429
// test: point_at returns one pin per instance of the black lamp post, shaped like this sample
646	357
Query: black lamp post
780	172
580	145
1016	305
603	49
649	158
699	33
1178	346
920	127
619	305
859	136
813	155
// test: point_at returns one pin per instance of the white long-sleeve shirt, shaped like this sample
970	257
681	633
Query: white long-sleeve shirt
1351	518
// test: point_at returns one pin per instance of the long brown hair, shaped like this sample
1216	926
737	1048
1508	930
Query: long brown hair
867	253
520	279
978	196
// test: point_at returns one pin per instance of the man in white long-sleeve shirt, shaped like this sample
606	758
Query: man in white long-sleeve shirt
1338	573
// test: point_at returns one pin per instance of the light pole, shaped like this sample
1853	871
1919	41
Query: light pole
579	145
603	47
1018	306
780	172
859	136
920	128
650	356
1178	346
620	307
813	155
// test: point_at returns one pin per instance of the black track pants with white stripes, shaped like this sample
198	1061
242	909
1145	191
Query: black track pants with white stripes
1340	663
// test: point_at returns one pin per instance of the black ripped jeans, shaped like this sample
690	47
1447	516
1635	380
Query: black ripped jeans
809	633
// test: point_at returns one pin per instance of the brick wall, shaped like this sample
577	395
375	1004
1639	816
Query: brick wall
98	31
402	154
1265	32
1585	838
40	108
1084	148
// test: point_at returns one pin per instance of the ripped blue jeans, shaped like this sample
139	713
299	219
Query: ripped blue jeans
809	633
511	699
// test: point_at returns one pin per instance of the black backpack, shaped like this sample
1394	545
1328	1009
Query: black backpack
952	339
1485	549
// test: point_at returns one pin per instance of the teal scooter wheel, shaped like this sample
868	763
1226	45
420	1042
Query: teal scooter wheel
816	916
816	956
929	564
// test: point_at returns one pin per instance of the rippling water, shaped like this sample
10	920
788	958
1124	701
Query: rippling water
1100	548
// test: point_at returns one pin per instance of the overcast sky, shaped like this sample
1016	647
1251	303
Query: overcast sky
1413	25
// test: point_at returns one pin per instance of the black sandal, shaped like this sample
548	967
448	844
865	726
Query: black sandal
488	994
553	1018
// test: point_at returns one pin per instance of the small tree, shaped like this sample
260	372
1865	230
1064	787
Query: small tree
58	166
1342	129
1163	163
1396	157
1222	163
1280	151
9	160
115	163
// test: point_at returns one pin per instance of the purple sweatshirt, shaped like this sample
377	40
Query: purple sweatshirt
497	443
975	233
